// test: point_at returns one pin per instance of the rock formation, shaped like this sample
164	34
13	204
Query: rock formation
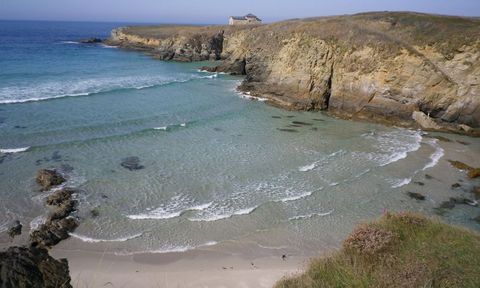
380	67
32	267
59	222
48	178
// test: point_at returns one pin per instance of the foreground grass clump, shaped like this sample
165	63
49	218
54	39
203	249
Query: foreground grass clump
399	250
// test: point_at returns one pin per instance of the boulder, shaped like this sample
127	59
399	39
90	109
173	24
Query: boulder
14	229
424	120
47	178
32	267
416	195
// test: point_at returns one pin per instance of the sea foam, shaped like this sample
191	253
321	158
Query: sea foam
307	216
14	150
96	240
215	217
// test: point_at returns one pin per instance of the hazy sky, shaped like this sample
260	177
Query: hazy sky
216	11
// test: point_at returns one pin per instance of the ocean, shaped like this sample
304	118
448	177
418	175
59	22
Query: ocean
216	168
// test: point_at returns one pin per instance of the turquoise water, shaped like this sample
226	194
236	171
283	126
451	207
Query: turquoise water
217	171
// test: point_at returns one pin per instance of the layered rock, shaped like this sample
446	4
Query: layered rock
376	66
32	267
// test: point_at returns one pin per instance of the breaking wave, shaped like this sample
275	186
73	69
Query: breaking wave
87	87
95	240
14	150
301	217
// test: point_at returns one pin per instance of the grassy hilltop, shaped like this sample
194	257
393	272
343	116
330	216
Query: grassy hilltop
399	250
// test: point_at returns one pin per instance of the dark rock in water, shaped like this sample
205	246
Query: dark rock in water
91	40
476	192
301	123
428	176
294	125
276	117
132	163
314	128
94	212
463	142
66	168
477	219
464	201
32	267
48	178
59	222
447	205
416	195
2	158
419	183
441	138
56	156
14	229
456	185
19	127
287	130
317	119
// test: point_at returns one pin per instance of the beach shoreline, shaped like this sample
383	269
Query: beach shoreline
196	268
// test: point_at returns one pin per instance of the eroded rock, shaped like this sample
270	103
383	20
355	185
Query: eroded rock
14	229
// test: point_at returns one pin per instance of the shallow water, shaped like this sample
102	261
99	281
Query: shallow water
218	169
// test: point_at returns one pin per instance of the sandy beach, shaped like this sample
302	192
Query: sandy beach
189	269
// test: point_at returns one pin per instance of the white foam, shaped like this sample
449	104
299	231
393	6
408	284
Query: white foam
14	150
211	76
169	249
215	217
29	92
96	240
307	167
166	213
301	217
436	156
183	125
108	46
401	182
401	148
297	197
69	42
37	222
164	128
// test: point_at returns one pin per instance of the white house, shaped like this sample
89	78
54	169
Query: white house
244	20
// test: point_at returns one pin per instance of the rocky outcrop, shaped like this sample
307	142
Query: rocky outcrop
32	267
380	67
204	45
60	221
48	178
91	41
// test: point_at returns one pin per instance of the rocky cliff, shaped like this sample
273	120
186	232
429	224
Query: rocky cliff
402	68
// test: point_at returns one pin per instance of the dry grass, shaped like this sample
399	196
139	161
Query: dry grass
399	250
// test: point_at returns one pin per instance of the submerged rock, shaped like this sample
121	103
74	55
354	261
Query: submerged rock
471	171
301	123
464	201
415	195
287	130
47	178
32	267
14	229
131	163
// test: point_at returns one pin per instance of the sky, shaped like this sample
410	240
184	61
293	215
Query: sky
216	11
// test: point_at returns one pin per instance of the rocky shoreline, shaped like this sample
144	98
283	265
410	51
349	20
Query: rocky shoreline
31	265
406	69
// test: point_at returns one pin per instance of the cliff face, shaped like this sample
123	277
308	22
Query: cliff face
377	66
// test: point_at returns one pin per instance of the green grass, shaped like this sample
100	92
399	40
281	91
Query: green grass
398	250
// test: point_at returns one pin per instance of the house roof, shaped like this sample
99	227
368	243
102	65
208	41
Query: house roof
250	15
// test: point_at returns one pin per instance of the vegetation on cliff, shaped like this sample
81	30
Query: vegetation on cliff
399	250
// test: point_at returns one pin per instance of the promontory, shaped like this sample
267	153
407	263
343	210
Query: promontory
403	68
